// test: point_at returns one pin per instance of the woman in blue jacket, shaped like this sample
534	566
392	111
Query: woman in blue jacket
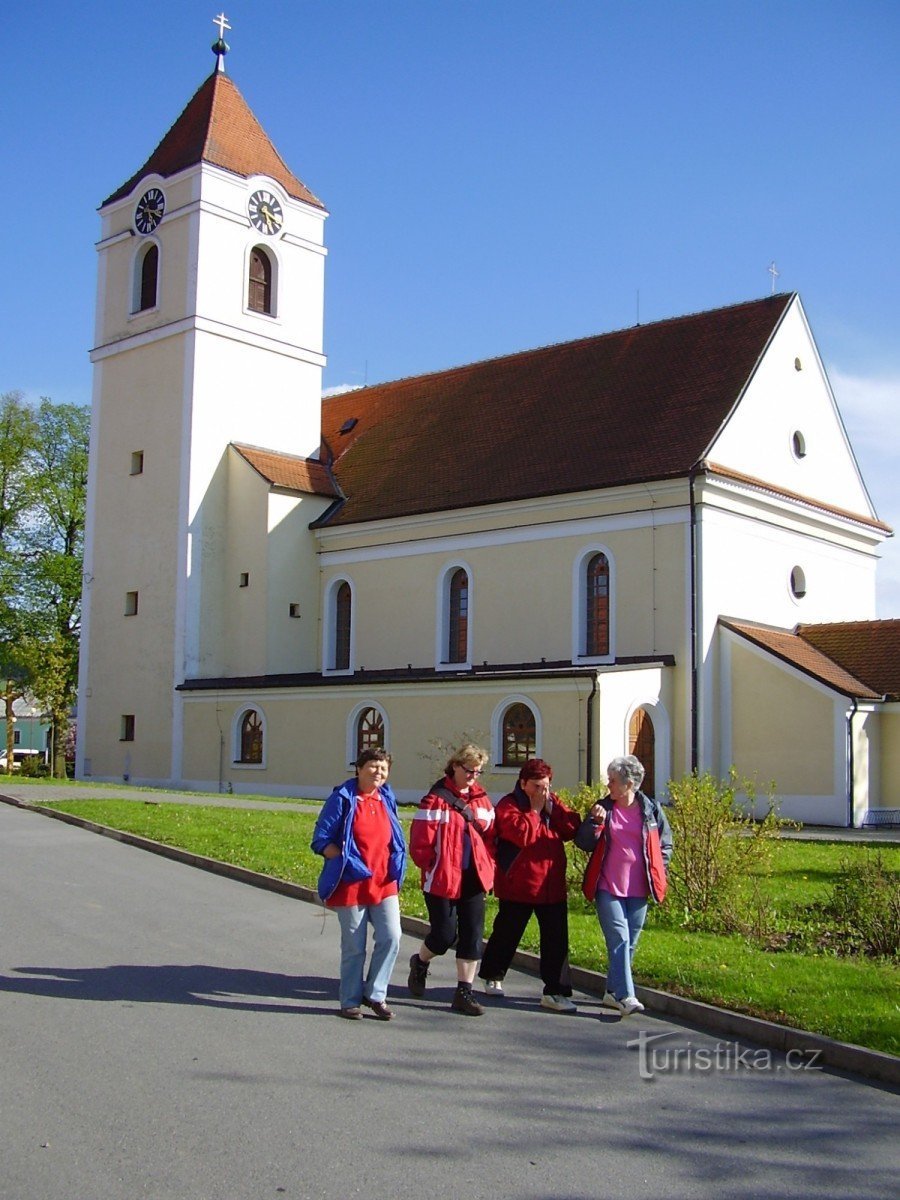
360	837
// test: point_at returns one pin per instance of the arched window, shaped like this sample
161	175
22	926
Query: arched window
369	730
149	278
642	744
259	291
251	749
518	735
458	618
596	595
342	613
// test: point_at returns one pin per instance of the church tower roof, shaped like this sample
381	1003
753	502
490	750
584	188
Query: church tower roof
218	127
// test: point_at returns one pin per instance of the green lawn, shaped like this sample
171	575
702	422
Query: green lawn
852	999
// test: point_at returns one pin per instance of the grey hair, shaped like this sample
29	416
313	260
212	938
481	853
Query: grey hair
628	769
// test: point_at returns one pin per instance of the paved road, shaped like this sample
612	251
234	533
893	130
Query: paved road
170	1034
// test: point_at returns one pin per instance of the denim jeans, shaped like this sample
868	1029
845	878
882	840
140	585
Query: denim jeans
354	921
621	919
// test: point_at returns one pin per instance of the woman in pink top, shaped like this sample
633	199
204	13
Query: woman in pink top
630	844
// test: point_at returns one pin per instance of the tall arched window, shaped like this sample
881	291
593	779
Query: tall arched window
596	594
259	291
518	735
369	730
149	278
458	618
342	613
642	744
251	737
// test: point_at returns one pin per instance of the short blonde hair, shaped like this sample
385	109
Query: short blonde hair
468	755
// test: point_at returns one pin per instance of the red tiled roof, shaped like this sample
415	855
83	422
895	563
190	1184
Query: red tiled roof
218	127
870	650
290	472
794	649
643	403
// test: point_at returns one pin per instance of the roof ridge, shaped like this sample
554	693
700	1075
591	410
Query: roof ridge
573	342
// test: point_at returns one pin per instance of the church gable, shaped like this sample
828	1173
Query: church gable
786	429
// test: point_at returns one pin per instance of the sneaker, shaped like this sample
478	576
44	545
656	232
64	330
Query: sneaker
558	1003
630	1005
380	1009
350	1014
418	975
493	987
464	1002
609	1001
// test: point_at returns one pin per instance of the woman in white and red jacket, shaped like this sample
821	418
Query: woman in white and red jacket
450	841
532	826
630	844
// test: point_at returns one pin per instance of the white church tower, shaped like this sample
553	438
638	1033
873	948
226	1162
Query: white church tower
208	331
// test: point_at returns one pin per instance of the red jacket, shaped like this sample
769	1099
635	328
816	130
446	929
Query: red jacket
437	837
656	838
531	857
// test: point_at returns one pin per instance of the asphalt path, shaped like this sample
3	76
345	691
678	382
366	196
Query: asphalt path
169	1033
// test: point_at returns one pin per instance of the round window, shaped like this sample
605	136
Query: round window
798	583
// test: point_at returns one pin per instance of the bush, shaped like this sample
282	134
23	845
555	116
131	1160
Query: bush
716	845
582	799
864	907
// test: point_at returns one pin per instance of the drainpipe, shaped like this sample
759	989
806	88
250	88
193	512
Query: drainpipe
695	666
850	764
589	738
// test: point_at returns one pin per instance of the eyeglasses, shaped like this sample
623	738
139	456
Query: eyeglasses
470	770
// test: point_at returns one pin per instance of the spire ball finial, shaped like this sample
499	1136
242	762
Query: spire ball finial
220	46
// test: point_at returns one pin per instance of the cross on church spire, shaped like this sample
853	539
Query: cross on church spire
774	272
220	46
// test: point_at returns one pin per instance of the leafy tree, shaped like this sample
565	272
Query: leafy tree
43	483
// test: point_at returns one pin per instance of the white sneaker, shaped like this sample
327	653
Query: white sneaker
630	1005
609	1001
558	1003
493	987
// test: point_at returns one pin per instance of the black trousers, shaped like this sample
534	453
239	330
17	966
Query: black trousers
459	922
509	925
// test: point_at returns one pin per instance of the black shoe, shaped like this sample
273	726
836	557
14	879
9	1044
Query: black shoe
350	1014
464	1002
418	975
380	1009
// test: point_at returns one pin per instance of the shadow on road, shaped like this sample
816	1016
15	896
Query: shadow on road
170	983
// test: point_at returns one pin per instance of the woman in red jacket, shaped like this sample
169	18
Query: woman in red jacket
447	841
531	825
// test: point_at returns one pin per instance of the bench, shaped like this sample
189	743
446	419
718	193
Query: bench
881	818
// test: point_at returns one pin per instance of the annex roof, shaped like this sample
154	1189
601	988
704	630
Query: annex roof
792	647
625	407
289	471
218	127
870	650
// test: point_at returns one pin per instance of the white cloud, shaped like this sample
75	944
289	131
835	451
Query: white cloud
869	406
339	389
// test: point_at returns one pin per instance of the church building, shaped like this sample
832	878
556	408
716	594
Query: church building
658	540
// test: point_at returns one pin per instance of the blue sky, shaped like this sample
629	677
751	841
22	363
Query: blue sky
499	175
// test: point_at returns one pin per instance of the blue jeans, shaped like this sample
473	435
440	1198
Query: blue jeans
621	919
355	920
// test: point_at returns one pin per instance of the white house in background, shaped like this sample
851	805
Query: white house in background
576	551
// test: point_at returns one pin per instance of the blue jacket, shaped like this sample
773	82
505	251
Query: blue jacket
335	825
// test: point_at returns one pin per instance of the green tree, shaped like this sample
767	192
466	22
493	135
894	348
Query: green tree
43	484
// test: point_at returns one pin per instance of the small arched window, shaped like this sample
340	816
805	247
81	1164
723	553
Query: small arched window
259	291
251	737
458	618
342	615
149	278
642	744
596	594
518	735
369	730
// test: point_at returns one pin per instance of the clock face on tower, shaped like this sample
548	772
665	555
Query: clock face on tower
149	211
265	212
